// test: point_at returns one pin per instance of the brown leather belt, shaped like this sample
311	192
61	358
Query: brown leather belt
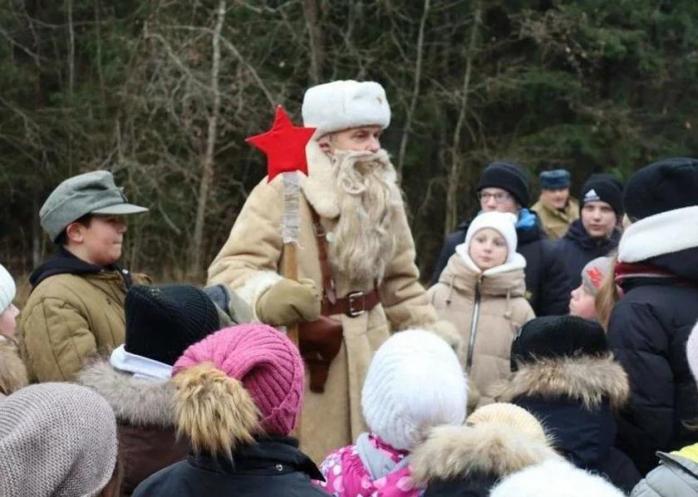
353	305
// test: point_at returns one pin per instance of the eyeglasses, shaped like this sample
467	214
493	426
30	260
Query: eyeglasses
499	197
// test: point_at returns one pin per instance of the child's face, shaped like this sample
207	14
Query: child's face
8	321
488	249
582	304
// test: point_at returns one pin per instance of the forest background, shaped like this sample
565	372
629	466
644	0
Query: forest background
163	93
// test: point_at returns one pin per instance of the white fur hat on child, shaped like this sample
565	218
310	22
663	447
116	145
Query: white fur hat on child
414	382
345	104
692	352
502	222
7	289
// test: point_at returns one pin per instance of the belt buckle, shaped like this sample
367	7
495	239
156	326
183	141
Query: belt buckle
352	297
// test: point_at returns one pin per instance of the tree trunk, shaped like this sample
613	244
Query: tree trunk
452	200
207	162
315	39
415	90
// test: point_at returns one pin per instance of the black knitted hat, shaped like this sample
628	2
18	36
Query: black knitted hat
162	321
556	337
663	186
603	188
506	176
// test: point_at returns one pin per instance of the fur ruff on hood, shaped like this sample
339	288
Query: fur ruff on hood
135	401
13	374
454	452
587	379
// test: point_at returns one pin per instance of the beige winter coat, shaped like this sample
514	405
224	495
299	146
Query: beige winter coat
69	319
487	309
556	223
249	262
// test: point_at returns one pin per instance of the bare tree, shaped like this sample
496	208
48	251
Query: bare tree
208	159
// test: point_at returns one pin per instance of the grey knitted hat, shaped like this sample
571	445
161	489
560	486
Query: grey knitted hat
56	440
89	193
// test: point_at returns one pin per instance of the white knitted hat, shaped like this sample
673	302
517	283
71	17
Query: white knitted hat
414	382
554	478
7	289
692	352
345	104
56	440
503	222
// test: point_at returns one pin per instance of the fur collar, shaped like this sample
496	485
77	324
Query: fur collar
498	281
134	401
590	380
454	452
318	186
13	374
660	234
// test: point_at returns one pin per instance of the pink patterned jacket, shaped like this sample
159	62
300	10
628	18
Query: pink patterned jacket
370	468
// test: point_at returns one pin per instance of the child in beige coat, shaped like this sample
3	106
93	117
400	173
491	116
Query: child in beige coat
482	293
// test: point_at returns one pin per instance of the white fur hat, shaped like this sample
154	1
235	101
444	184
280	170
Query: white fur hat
345	104
7	289
554	478
503	222
414	382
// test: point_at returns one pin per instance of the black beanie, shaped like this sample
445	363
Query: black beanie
162	321
556	337
603	188
663	186
506	176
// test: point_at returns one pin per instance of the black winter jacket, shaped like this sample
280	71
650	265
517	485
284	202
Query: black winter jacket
647	332
577	248
269	468
546	280
585	437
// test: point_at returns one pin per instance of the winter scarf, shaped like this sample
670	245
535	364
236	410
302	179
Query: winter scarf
370	467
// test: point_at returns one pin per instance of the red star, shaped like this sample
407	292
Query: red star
284	145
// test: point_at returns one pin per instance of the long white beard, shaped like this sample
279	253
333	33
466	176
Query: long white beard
368	199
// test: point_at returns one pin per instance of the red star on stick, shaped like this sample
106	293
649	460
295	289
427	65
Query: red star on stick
284	145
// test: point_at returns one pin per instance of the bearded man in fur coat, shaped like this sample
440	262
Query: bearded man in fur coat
351	191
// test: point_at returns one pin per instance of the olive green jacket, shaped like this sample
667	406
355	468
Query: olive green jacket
555	222
70	318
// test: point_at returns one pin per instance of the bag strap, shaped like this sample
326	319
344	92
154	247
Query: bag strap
328	287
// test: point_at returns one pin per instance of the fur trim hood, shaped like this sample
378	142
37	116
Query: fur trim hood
135	401
587	379
13	374
454	452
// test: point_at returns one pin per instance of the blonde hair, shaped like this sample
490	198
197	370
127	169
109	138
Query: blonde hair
607	296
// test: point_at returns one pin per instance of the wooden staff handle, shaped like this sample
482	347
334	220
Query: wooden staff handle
290	271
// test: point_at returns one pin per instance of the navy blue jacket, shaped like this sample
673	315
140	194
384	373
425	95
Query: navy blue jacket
647	332
577	248
585	437
546	280
269	468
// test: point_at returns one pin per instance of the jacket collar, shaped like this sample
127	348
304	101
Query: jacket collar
65	262
134	401
586	379
277	454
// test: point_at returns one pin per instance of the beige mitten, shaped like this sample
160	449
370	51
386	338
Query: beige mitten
287	302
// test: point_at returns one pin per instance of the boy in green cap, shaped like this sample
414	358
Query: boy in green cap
76	307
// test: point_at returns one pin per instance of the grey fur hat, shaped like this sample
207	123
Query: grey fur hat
56	440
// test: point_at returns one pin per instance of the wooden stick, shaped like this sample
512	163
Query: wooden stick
290	271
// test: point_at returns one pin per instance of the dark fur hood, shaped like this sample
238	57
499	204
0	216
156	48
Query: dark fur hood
589	380
135	401
456	452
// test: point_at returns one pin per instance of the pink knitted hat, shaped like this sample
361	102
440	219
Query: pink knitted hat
267	364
